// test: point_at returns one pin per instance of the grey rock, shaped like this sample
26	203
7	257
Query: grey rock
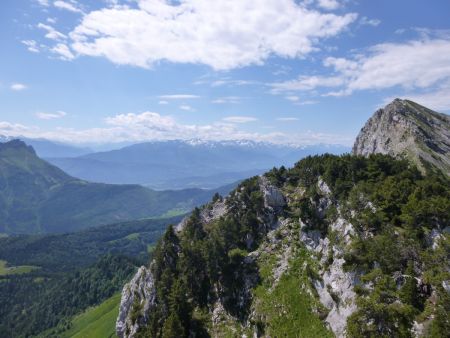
446	285
273	197
335	290
406	129
139	291
323	187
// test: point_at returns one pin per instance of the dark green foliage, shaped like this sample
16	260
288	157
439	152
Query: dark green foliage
66	284
65	252
198	265
39	304
172	327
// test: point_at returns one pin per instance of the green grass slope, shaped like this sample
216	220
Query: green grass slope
98	321
14	270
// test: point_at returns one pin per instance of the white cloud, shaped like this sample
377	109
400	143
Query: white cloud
239	119
153	126
292	98
415	66
63	51
328	4
52	33
163	102
44	3
287	119
18	86
221	34
305	83
31	45
70	6
178	97
51	116
365	21
227	100
51	20
186	107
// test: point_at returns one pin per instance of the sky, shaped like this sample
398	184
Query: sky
283	71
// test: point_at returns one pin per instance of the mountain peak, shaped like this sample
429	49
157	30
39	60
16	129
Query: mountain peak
404	128
17	144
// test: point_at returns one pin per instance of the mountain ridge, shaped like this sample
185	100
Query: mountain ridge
346	246
37	197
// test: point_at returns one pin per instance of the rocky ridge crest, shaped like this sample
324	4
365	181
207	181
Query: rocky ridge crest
405	128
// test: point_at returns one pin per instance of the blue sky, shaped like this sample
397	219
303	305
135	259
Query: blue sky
286	71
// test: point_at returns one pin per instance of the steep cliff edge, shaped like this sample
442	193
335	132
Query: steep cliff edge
405	128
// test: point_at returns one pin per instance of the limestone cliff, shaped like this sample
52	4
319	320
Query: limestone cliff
405	128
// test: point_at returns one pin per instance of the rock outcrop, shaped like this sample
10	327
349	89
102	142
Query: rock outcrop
137	299
273	198
406	129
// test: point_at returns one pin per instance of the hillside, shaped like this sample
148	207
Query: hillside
347	246
37	197
407	129
180	164
58	277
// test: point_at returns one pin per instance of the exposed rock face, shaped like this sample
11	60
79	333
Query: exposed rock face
335	290
209	214
273	197
405	128
138	297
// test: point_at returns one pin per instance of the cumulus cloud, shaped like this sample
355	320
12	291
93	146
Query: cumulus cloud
414	66
18	86
51	116
239	119
221	34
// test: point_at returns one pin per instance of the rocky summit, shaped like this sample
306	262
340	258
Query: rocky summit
405	128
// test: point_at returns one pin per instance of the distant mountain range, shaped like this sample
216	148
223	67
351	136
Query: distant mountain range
37	197
180	164
46	148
